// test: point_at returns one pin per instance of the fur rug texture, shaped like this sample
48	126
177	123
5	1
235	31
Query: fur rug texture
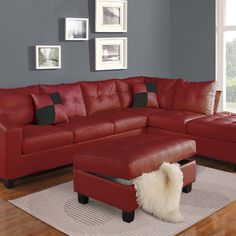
159	192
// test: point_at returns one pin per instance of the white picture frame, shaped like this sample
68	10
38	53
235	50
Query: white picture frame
48	57
111	15
76	29
111	53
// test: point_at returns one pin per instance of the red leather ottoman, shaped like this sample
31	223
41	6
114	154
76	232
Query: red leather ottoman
128	158
215	136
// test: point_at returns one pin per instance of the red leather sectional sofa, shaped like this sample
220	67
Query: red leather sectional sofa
102	110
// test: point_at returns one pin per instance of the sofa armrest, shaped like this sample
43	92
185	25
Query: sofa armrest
217	101
10	146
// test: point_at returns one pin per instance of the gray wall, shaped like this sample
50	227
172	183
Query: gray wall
26	23
193	39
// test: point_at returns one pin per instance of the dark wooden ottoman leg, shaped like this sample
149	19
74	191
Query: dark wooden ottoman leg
128	216
9	183
82	198
187	188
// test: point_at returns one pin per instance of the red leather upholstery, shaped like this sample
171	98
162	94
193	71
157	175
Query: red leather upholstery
124	120
11	142
216	149
172	120
221	126
130	157
137	79
189	171
71	97
100	96
17	105
145	110
165	91
209	147
117	195
88	128
26	150
42	101
39	138
124	92
195	96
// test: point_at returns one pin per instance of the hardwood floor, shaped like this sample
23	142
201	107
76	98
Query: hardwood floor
15	222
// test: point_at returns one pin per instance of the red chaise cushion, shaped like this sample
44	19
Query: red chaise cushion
172	120
221	126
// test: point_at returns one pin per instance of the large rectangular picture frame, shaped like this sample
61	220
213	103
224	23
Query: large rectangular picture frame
111	53
69	20
39	57
111	25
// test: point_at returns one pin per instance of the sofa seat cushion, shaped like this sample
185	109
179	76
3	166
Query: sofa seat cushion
221	126
146	110
39	138
125	119
172	120
87	128
130	157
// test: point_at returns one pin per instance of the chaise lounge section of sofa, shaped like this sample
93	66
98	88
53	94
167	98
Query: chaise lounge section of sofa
102	110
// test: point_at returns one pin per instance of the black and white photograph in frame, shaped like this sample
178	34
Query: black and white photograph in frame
111	15
48	57
76	29
111	53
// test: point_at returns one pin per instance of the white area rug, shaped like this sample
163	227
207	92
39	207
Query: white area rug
58	207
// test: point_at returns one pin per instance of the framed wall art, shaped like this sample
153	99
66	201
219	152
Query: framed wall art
111	16
111	53
48	57
76	29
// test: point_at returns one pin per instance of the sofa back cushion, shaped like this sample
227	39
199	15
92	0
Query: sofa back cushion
17	104
100	96
165	91
124	89
124	92
71	95
195	96
137	79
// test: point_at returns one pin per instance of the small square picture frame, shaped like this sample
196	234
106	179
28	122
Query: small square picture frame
111	15
48	57
111	53
76	29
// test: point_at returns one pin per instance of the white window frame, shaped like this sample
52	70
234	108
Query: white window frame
221	28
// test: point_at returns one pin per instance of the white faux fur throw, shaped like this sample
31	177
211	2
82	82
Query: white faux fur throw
159	192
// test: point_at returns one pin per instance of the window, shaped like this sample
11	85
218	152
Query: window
226	52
